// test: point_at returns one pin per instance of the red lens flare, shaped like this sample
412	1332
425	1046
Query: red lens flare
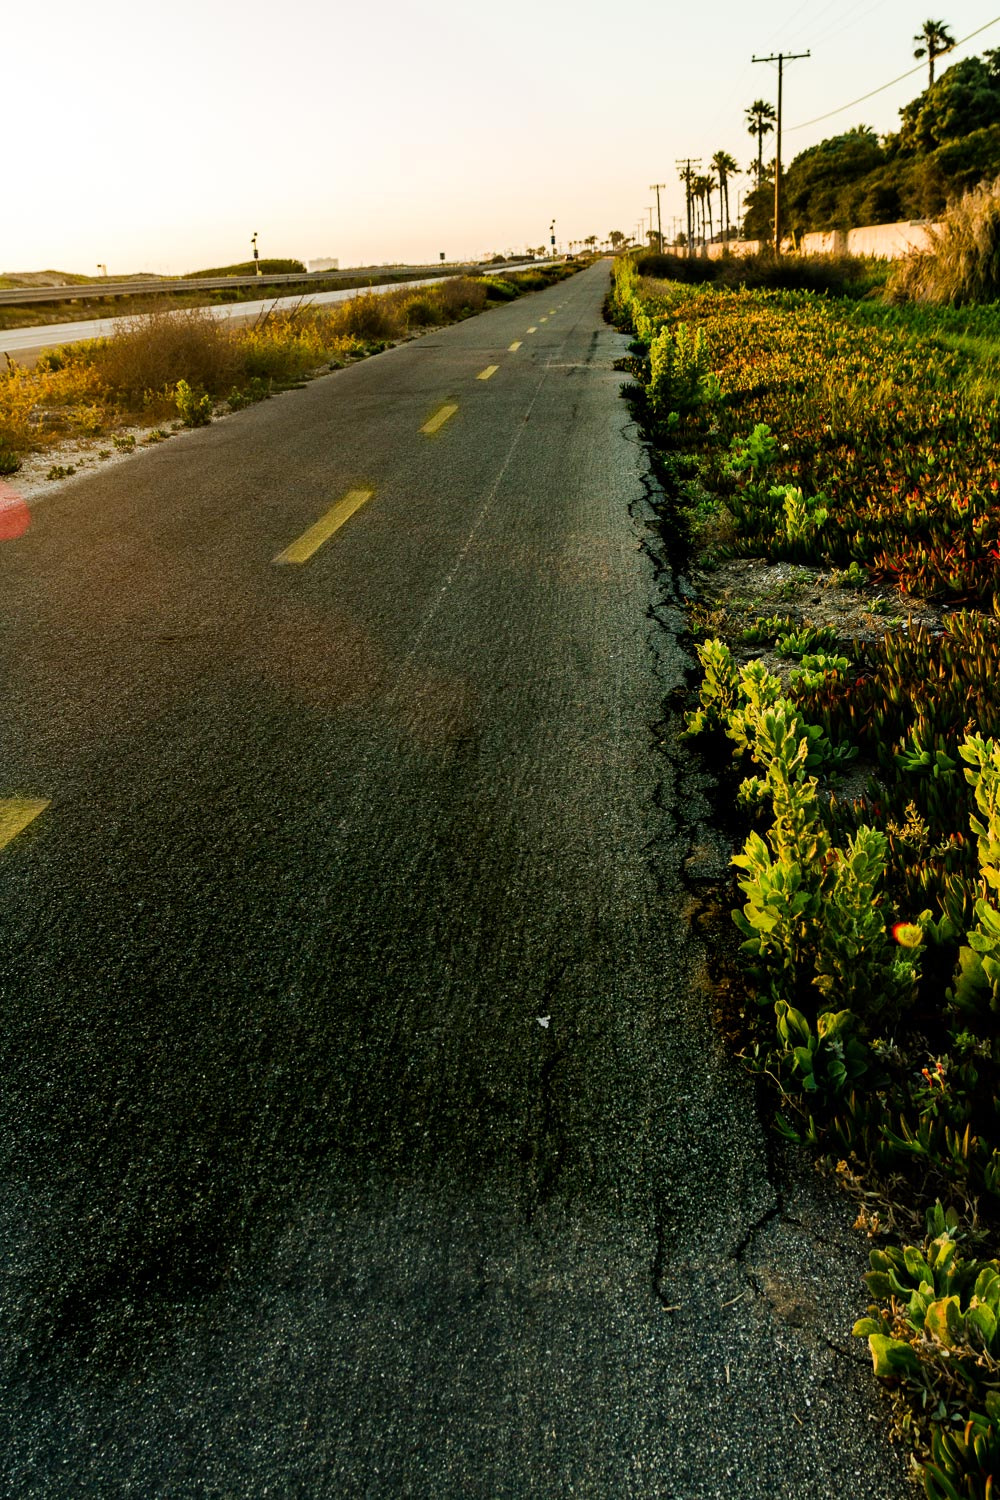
15	518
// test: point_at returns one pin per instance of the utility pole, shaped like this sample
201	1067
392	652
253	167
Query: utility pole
780	59
655	187
687	177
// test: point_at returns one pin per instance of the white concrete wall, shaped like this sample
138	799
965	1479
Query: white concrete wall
883	241
823	242
735	247
889	241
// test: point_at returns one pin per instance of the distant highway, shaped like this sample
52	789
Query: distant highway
104	287
24	345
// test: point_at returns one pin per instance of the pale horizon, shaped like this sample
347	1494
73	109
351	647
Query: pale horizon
161	139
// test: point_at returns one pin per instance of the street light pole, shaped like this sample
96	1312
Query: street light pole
256	257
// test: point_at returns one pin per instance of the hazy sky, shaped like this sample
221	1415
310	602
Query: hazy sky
159	136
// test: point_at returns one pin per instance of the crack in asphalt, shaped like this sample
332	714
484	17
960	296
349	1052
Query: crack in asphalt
681	797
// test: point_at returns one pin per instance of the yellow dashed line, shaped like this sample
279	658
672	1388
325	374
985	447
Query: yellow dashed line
485	374
532	330
438	420
310	541
16	813
541	320
513	348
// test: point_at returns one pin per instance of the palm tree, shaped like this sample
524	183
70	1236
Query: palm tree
935	39
724	166
617	238
761	118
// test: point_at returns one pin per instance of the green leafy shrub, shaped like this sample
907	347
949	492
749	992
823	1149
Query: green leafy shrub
498	289
681	379
933	1329
256	389
977	983
812	921
623	298
195	407
753	456
824	1062
804	640
422	312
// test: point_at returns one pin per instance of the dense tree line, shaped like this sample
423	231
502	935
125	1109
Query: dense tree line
948	141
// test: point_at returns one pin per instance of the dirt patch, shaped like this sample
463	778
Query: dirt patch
732	595
43	472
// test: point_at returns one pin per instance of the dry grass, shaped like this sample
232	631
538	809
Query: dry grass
93	387
155	350
462	296
963	264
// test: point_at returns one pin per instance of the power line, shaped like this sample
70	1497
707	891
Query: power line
881	90
786	25
848	19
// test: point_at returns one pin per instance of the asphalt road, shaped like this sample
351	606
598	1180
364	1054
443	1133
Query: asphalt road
363	1130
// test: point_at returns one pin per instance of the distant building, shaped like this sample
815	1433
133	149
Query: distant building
324	264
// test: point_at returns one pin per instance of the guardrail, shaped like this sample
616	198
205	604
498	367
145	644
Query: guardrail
17	296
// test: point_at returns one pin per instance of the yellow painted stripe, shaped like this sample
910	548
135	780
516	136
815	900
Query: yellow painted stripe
310	541
485	374
513	348
541	320
532	330
16	813
438	420
552	312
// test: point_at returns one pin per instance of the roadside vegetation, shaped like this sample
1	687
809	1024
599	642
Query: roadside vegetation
277	267
181	368
39	314
836	275
851	449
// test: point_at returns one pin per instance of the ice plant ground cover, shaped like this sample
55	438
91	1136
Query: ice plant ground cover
861	440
